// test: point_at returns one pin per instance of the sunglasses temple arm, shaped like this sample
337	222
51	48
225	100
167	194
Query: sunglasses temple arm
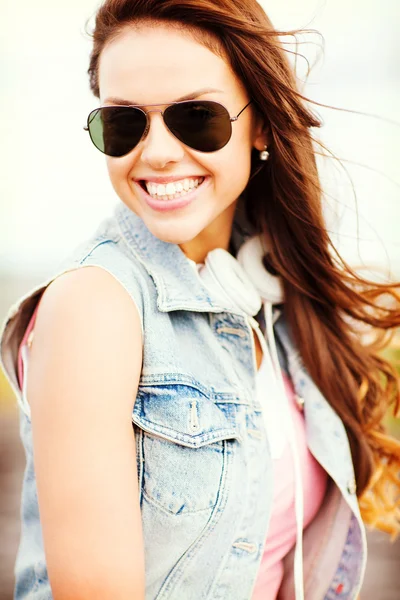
238	115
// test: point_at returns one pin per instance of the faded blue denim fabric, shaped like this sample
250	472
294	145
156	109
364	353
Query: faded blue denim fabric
203	459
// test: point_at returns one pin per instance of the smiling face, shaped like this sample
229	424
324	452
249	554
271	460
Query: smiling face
160	64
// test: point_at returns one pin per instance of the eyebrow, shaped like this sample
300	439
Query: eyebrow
190	96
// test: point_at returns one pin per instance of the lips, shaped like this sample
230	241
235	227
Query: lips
169	205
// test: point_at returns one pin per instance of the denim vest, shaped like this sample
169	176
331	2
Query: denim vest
203	460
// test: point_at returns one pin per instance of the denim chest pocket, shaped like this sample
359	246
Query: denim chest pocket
184	442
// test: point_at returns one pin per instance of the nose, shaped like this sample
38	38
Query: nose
160	146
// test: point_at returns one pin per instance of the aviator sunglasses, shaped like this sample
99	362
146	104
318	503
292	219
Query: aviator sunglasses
203	125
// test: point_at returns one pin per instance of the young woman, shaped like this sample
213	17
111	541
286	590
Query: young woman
202	414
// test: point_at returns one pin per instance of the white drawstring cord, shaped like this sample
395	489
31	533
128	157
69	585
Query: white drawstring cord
299	500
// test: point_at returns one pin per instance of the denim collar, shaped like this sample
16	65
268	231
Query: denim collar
178	285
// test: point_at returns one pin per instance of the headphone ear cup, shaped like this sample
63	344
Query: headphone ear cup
223	275
250	256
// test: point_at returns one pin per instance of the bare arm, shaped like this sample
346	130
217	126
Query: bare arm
83	376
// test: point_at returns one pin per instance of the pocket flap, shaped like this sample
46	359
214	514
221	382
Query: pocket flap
185	415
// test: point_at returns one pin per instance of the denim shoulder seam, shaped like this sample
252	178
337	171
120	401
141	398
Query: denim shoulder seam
97	244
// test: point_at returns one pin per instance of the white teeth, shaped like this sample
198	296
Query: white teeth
171	189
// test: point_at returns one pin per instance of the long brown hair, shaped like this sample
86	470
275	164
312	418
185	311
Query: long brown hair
328	305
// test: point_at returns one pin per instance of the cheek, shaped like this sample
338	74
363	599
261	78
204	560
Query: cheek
118	171
234	166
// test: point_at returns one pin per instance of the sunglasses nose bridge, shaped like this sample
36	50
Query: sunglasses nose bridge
155	110
147	112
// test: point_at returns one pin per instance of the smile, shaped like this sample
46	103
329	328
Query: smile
171	190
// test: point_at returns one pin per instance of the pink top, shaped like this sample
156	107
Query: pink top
282	530
281	535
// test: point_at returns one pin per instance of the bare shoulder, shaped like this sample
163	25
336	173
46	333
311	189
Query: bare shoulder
87	315
90	293
86	288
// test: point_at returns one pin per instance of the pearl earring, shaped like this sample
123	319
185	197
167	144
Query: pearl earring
264	154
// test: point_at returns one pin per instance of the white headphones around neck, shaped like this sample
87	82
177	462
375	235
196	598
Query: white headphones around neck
243	281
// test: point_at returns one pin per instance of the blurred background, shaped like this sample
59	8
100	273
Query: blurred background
54	187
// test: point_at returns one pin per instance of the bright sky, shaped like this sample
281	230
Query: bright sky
54	187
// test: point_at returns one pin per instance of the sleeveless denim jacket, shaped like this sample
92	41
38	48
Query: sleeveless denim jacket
203	460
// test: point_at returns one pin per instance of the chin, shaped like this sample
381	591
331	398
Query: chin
171	237
173	232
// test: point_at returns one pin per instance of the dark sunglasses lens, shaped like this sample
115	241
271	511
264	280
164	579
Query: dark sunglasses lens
202	125
115	130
